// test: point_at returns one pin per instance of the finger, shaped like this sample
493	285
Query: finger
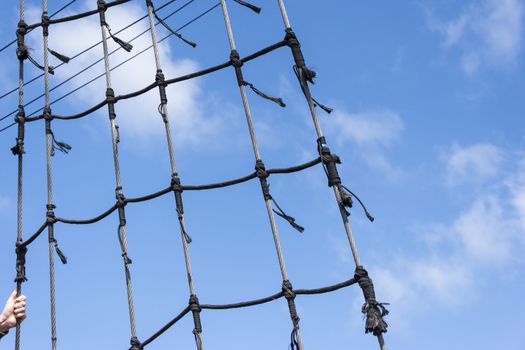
21	298
19	312
21	316
20	304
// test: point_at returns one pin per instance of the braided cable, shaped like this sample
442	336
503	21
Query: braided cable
260	166
303	76
114	138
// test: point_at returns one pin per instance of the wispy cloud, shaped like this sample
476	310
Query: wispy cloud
4	203
456	256
374	132
487	33
472	164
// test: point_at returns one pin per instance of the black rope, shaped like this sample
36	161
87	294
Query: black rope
276	100
171	30
286	217
373	310
254	8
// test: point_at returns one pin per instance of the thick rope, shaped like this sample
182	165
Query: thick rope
176	187
18	150
306	75
261	173
121	231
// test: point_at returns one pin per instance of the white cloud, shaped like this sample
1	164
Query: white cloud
373	132
4	203
473	164
193	115
486	33
454	258
371	128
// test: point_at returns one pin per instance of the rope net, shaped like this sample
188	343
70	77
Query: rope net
373	310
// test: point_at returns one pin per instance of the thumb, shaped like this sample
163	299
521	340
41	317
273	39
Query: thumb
13	295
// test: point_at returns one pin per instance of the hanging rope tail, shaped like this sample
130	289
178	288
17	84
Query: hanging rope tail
254	8
59	56
367	213
373	311
276	100
123	44
39	66
286	217
178	35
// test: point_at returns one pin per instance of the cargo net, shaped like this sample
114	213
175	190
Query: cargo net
373	310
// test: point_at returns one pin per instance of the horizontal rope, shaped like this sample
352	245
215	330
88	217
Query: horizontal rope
78	15
248	303
169	189
153	85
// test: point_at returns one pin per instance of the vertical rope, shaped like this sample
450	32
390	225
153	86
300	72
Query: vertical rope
163	110
302	73
19	150
119	193
287	286
49	150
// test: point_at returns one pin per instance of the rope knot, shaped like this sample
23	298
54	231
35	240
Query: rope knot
260	169
195	309
21	251
47	113
373	310
22	51
235	59
50	214
288	290
121	199
110	98
101	6
20	119
160	80
135	343
262	174
330	162
45	23
110	95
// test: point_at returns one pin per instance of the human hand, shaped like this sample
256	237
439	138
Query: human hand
14	310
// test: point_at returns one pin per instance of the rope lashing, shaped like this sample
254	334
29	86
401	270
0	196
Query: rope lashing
168	27
135	344
373	310
254	8
121	204
56	145
290	219
196	309
290	295
22	52
102	7
177	190
20	119
303	73
160	80
20	251
51	220
330	162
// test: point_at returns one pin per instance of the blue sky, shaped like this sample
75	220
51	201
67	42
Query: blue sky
428	122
